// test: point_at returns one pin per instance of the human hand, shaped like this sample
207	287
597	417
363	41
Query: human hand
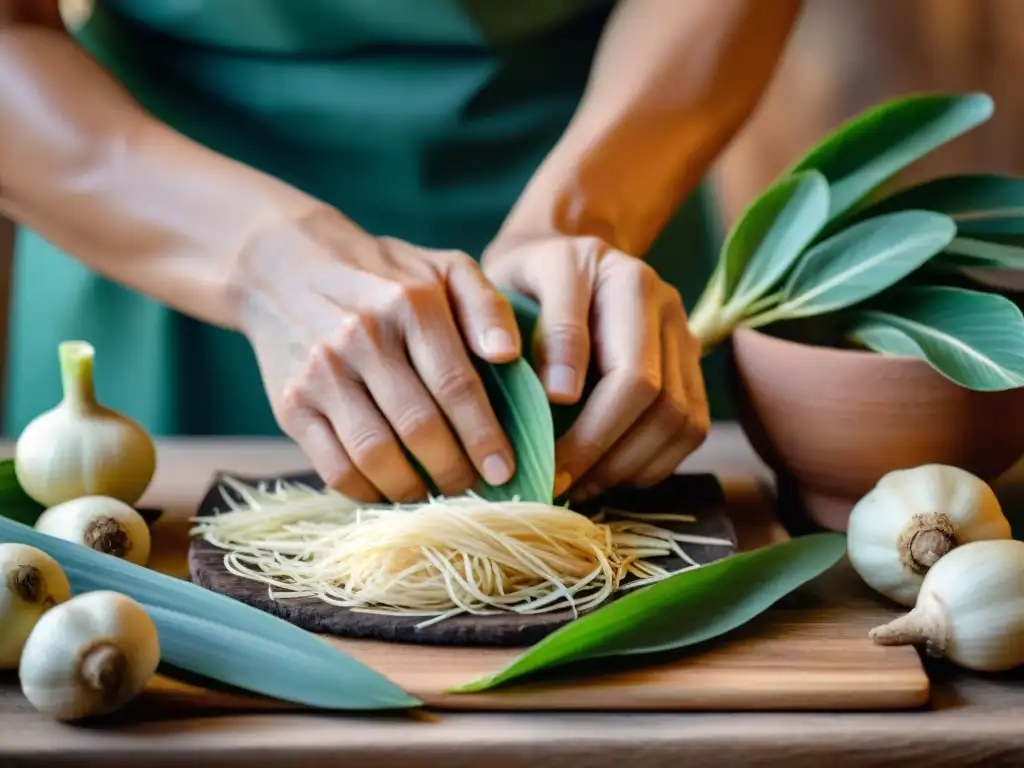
358	341
649	409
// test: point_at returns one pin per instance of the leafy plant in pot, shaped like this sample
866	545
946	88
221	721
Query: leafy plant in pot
862	339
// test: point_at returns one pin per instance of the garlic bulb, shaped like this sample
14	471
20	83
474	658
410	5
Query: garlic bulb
101	523
89	656
31	582
970	608
911	518
81	448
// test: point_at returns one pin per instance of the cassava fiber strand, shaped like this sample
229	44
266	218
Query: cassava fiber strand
441	558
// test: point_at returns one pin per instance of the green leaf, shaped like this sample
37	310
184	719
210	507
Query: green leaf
524	413
862	261
771	234
973	338
868	150
978	254
522	408
261	666
15	504
885	339
683	610
88	570
982	205
988	211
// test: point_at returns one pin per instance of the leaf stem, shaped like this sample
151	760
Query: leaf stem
766	318
765	302
710	301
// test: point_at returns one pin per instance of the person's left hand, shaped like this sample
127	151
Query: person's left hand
649	410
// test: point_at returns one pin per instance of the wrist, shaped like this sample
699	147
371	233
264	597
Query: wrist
212	210
311	239
599	182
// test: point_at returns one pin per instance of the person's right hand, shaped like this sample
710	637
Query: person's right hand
362	344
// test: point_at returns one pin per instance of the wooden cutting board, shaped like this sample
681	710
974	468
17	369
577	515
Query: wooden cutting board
792	660
795	660
807	653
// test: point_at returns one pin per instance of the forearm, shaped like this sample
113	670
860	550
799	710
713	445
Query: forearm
85	166
671	84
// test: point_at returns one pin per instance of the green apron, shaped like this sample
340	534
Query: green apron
419	119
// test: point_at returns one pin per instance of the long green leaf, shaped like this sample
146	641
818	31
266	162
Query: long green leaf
252	663
683	610
862	261
868	150
965	252
771	234
88	570
988	210
982	205
973	338
522	408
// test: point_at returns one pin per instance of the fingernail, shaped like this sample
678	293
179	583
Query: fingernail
498	342
562	482
496	469
560	380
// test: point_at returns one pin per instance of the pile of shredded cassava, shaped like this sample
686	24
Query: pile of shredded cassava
441	558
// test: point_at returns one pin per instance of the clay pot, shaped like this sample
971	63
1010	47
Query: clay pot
831	422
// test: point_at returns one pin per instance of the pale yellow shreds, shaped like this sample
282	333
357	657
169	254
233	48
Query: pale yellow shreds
441	558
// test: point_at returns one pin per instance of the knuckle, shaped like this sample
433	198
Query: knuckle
699	427
672	413
461	260
591	248
357	333
457	384
643	386
320	359
566	339
648	281
415	422
672	298
366	446
339	475
421	296
292	404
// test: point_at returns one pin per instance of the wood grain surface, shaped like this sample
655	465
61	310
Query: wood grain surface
699	495
972	720
791	659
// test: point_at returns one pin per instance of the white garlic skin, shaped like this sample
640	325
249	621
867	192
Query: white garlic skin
81	447
879	519
74	520
978	591
54	663
31	583
66	453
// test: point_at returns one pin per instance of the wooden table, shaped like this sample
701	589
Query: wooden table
972	720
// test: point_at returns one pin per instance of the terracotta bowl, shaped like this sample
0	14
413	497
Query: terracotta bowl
831	422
